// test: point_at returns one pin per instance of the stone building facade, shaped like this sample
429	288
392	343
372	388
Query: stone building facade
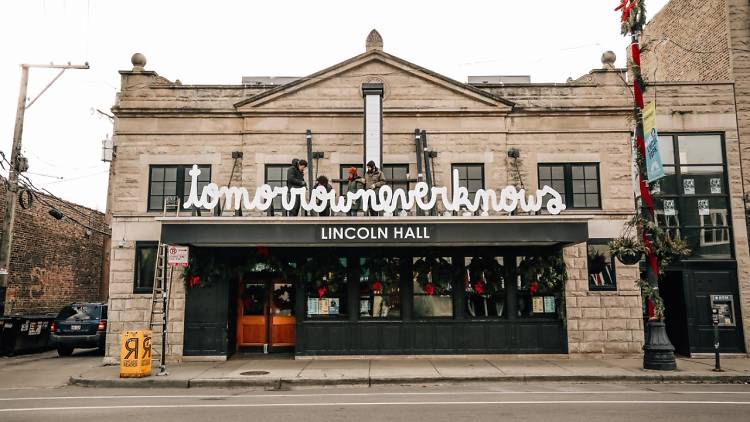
53	262
519	135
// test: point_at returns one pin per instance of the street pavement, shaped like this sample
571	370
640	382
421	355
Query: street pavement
35	387
434	403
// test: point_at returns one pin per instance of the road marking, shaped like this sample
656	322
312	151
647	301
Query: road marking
455	393
340	404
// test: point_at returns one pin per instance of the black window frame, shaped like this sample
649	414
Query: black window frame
390	180
140	288
454	166
568	195
181	170
681	198
284	168
612	263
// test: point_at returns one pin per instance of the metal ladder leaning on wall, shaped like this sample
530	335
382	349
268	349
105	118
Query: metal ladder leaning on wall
159	308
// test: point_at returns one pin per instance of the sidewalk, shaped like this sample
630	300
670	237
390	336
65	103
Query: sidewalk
277	373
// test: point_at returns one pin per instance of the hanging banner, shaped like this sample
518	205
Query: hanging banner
654	167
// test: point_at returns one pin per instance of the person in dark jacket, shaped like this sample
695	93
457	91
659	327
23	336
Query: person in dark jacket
374	179
295	178
323	181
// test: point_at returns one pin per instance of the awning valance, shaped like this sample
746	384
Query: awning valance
374	231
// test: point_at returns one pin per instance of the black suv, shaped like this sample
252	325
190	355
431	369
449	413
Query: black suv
79	325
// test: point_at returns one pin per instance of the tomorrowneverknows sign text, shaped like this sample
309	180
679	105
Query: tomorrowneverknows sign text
384	199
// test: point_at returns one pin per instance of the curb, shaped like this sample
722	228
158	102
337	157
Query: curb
279	383
150	382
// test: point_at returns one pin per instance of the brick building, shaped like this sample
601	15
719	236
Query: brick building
705	42
53	262
467	282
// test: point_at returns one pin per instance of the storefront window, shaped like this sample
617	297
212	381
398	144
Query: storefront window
379	292
601	266
433	290
145	265
484	282
540	281
691	201
325	287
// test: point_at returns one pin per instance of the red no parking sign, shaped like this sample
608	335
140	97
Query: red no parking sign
177	256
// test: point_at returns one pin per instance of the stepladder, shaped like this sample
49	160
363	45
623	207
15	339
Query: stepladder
159	311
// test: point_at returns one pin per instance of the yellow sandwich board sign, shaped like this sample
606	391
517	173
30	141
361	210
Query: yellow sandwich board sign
135	354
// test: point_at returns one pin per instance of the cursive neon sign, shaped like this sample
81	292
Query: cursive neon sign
384	200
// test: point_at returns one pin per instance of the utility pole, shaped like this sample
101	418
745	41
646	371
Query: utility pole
15	169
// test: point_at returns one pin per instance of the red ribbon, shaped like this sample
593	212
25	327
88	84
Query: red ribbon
429	289
321	292
376	287
534	287
194	281
479	287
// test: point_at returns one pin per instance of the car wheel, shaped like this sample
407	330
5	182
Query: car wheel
64	350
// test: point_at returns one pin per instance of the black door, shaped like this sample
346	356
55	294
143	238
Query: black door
206	320
702	282
672	290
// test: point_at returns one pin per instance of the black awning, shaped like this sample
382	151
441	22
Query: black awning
353	232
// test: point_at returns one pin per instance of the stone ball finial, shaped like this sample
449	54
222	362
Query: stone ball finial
374	41
608	59
138	60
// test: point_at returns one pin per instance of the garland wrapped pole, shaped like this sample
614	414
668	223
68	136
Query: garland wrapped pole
658	350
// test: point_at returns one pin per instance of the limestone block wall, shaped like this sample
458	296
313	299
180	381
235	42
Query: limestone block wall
130	311
601	323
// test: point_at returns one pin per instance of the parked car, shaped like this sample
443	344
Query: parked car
79	325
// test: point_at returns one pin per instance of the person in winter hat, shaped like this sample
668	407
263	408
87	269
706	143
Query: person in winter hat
295	178
374	179
355	183
323	181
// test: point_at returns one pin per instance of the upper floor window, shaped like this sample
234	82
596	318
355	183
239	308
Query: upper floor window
577	183
397	177
276	177
692	201
173	181
470	176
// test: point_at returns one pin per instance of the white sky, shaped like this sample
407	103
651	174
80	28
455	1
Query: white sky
218	41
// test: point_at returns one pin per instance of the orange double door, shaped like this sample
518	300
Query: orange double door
265	315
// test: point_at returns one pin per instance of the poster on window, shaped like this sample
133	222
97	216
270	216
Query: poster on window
537	304
656	188
549	304
333	306
703	207
323	306
689	186
715	184
669	207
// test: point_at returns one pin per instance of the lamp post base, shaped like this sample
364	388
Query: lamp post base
658	352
